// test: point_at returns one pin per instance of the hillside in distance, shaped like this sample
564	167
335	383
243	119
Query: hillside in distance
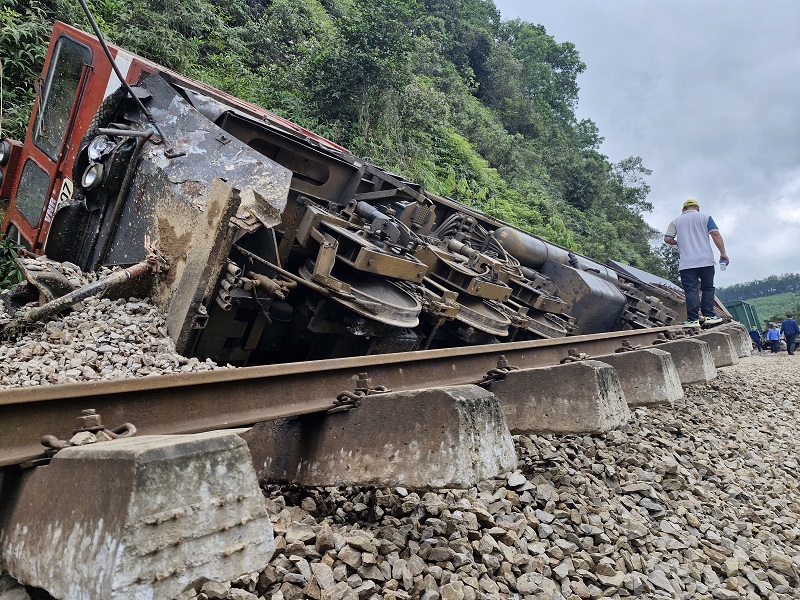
775	308
760	288
772	297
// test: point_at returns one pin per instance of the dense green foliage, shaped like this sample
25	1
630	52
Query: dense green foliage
10	273
670	256
776	307
772	297
441	91
23	28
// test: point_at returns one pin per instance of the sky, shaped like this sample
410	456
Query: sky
707	92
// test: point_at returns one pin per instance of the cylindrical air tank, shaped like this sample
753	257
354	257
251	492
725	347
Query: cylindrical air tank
533	252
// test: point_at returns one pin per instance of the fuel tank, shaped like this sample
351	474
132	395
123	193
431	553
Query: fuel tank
534	253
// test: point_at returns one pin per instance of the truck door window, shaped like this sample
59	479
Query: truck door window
58	95
32	192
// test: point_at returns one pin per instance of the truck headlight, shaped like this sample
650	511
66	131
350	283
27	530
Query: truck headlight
99	147
92	176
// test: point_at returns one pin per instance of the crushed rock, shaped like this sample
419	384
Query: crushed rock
698	500
99	338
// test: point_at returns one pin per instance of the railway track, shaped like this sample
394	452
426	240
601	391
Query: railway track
196	402
173	509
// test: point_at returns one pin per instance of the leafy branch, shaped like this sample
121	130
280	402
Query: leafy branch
10	273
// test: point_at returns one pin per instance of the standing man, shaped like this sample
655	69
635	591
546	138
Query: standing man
756	337
789	329
774	337
690	232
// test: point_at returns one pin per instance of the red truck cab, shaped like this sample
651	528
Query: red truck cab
39	174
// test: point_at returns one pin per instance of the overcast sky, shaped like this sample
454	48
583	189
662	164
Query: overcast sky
707	92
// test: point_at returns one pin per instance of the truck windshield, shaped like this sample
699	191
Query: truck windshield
58	96
34	186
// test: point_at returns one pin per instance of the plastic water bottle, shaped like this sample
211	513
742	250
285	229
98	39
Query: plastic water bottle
723	264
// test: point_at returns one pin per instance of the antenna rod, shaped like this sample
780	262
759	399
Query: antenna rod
116	68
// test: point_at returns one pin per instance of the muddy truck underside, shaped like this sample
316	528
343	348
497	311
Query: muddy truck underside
282	245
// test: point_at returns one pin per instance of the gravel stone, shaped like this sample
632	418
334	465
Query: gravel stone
698	500
99	338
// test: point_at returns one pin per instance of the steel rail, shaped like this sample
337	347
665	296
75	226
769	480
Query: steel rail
203	401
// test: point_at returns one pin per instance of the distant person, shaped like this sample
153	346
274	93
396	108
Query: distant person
690	232
774	338
790	330
755	335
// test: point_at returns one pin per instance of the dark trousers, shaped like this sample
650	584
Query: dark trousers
790	344
694	282
775	345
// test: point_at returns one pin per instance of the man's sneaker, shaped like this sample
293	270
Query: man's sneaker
712	320
695	322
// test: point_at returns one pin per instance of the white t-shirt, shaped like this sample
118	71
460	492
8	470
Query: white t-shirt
691	231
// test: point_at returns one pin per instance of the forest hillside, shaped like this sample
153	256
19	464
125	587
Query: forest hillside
775	308
440	91
772	297
760	288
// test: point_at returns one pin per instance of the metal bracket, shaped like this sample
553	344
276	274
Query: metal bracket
200	319
498	373
573	356
626	346
669	336
346	400
157	262
90	430
173	153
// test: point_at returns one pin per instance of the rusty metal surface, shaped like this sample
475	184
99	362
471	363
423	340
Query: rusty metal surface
194	402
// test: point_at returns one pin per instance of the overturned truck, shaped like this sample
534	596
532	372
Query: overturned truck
281	245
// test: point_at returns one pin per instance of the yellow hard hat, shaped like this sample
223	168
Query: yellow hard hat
691	202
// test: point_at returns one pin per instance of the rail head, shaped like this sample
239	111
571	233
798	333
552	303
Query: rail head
225	398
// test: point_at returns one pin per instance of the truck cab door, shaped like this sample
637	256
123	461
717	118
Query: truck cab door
42	183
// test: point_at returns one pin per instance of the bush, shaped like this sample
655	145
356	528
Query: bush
10	273
23	44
